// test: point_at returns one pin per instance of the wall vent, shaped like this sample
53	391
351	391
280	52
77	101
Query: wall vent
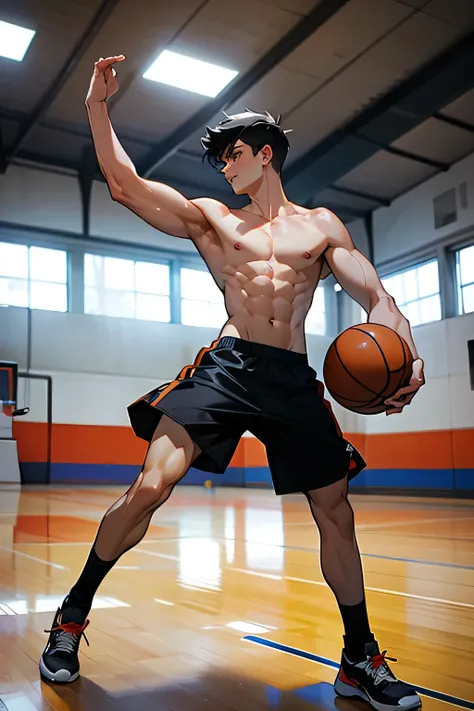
444	209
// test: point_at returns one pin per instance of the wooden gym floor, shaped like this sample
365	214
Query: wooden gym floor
223	608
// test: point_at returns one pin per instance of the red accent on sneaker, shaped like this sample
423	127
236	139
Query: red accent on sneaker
378	660
352	682
72	628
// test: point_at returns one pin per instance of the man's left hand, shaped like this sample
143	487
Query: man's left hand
404	396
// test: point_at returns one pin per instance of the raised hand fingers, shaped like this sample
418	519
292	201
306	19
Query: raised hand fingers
103	64
109	73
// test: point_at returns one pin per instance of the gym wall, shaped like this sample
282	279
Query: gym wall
100	364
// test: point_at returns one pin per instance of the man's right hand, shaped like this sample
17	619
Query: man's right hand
104	82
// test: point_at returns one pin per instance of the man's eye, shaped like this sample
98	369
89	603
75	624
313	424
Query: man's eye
236	155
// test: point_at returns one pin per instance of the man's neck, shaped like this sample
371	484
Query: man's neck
268	197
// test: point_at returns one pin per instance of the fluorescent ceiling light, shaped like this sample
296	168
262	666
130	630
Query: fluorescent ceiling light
189	74
14	40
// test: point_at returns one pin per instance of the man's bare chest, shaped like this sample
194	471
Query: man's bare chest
292	241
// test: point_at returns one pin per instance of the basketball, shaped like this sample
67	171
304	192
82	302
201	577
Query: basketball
365	365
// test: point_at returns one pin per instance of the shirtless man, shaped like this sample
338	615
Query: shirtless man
267	258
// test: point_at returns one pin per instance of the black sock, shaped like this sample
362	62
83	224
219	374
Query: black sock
82	594
357	630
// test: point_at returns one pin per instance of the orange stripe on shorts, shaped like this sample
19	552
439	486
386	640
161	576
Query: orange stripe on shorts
183	373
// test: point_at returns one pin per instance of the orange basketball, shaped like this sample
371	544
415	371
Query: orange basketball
365	365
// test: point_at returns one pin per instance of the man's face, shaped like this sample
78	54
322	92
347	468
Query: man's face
242	169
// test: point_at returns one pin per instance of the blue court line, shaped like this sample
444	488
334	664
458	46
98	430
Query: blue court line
420	561
438	695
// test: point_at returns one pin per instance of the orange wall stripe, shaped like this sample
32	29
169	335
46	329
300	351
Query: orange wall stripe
410	450
105	444
463	449
32	438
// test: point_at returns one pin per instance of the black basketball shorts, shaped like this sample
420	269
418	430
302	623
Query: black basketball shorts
236	385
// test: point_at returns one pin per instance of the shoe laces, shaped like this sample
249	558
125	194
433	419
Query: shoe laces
378	668
68	636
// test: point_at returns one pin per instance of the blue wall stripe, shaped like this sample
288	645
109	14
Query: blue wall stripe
460	479
456	701
406	478
36	472
258	475
464	479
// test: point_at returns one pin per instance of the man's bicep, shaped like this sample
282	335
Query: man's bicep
354	272
356	275
163	207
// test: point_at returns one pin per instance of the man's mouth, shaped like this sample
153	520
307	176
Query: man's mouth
230	180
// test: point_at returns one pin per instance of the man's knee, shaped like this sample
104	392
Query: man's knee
156	484
330	505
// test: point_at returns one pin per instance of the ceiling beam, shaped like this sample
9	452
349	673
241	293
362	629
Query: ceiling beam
344	210
454	122
402	153
424	94
105	9
384	202
322	12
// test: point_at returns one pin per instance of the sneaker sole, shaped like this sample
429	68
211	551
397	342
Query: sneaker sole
62	676
347	691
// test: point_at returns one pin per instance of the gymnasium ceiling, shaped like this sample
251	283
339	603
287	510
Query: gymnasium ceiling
379	93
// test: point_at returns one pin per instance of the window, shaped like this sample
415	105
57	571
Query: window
202	302
416	292
465	274
316	319
33	277
126	289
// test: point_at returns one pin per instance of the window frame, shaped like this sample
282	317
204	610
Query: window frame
413	266
459	285
23	240
134	259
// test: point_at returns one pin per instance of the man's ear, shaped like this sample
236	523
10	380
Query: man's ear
267	154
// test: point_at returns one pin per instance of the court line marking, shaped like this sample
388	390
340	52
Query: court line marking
398	593
294	651
31	557
391	524
157	555
435	563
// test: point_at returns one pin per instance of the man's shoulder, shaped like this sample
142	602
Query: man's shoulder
210	207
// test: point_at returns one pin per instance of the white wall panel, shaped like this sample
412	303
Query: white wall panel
40	199
408	224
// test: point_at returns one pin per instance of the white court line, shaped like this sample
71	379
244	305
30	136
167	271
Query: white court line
157	555
89	543
260	575
391	524
369	526
38	560
379	590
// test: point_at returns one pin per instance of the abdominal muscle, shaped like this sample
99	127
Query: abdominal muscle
267	303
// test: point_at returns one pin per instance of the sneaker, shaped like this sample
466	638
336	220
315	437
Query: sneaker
59	661
374	681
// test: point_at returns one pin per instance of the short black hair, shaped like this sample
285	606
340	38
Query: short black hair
251	127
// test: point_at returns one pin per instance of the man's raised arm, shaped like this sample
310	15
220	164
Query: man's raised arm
160	205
